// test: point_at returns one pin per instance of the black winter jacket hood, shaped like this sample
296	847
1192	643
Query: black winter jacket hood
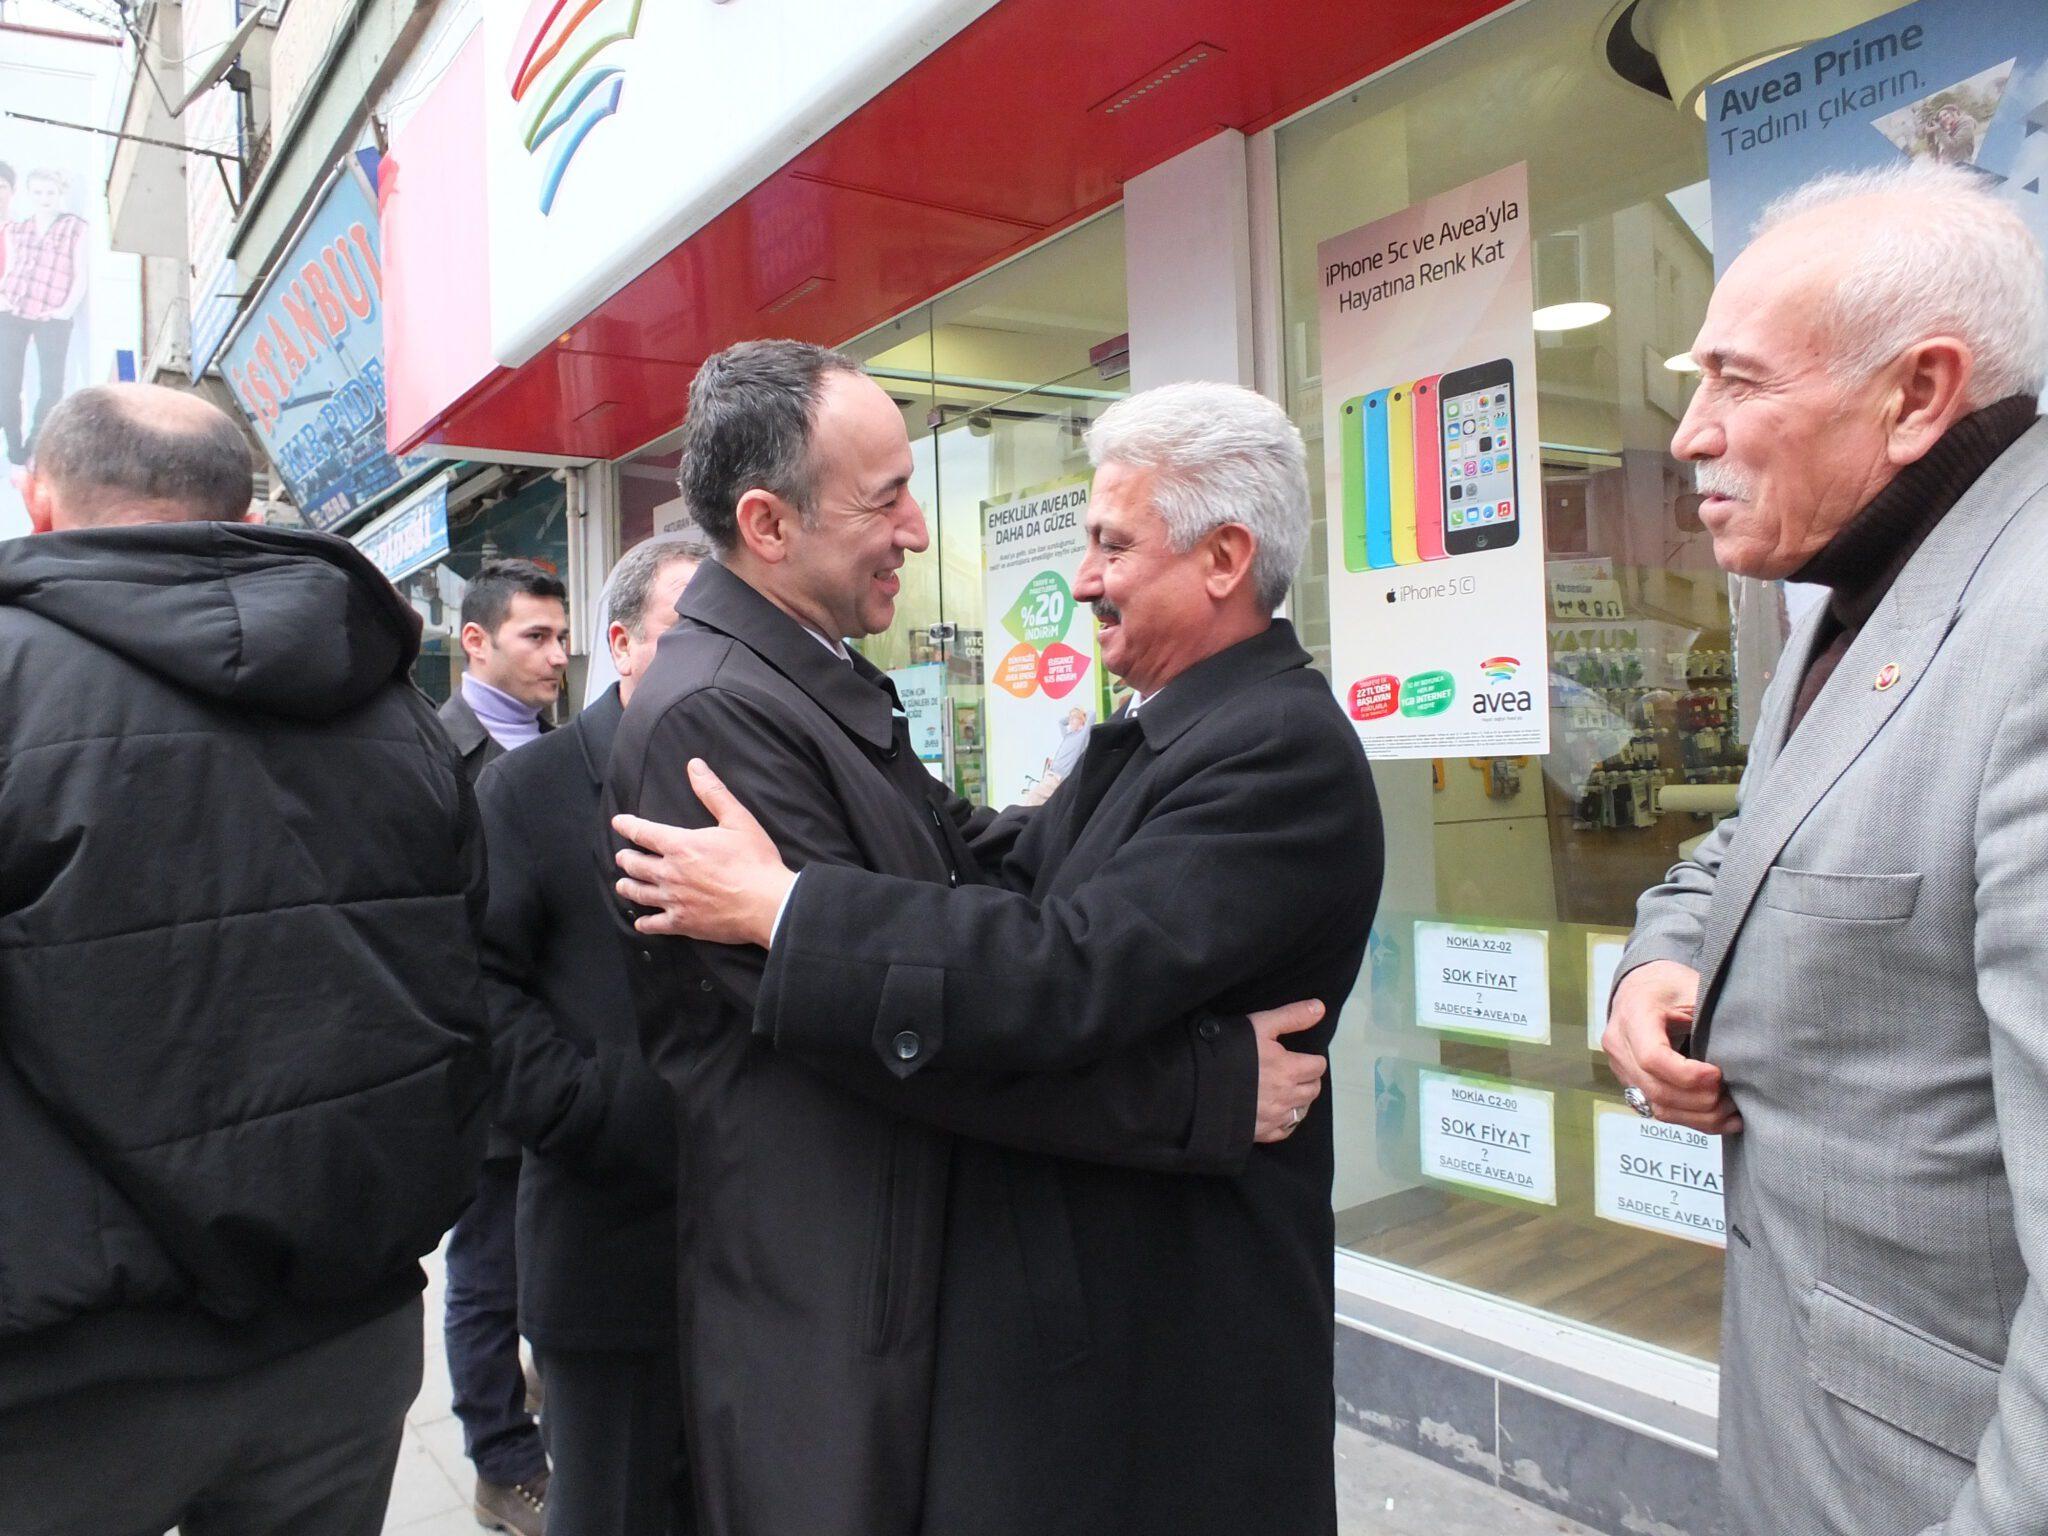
269	619
242	1039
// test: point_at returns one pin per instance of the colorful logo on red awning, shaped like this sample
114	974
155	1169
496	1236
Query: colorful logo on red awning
562	79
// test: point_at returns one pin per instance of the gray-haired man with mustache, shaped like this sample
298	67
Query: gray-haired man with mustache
1845	979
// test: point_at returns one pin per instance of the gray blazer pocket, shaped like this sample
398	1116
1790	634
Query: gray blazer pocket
1930	1389
1853	898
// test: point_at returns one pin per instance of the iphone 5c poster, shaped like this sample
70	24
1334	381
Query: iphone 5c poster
1437	617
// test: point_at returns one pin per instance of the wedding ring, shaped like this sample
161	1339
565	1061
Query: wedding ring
1638	1101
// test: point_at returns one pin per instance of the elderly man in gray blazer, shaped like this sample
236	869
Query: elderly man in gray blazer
1849	979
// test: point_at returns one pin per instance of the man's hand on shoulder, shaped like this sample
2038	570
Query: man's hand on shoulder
1652	1013
724	884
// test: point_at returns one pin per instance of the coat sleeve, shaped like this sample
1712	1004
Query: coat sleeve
593	1114
1671	916
2007	1495
1266	846
1182	1102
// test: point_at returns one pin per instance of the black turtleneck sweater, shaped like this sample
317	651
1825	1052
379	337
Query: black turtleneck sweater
1862	561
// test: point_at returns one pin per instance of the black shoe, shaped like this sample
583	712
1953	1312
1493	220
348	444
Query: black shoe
521	1509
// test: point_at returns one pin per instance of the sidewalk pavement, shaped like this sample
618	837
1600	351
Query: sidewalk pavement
1381	1490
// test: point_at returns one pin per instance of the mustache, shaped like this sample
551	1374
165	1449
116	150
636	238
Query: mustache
1106	612
1711	477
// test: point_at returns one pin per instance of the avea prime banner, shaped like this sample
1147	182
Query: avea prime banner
307	362
1959	82
1438	643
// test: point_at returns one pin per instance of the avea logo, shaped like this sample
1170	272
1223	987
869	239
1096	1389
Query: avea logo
555	75
1505	701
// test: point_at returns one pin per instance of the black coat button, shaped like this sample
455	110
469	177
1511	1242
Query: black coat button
704	985
1208	1029
908	1045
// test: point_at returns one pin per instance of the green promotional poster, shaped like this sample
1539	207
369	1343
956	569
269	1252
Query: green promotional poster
1039	662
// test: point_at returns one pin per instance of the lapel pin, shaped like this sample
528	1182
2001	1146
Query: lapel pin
1887	675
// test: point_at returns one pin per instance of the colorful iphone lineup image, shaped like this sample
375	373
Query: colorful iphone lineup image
1430	468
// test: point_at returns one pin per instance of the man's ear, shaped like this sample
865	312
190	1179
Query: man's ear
40	497
474	639
762	521
1929	394
1227	553
618	639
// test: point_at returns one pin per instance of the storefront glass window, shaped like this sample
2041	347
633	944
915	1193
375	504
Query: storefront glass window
997	382
1648	713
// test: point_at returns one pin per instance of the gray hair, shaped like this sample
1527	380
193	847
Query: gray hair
1949	258
631	585
1220	454
753	410
104	446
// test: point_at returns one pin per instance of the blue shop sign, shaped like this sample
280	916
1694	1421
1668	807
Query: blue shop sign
307	362
410	537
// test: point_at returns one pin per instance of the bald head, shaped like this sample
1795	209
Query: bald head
137	453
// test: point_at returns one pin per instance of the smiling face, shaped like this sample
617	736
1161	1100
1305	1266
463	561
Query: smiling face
1154	607
843	571
1784	453
45	193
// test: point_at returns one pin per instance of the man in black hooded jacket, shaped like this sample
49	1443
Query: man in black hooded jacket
242	1078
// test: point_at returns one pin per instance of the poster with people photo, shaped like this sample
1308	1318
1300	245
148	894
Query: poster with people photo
68	313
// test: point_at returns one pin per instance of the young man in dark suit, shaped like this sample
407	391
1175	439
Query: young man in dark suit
515	642
596	1210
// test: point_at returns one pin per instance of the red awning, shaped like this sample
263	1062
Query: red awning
1031	118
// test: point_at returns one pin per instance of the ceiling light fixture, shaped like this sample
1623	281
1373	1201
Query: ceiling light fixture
1572	316
1683	363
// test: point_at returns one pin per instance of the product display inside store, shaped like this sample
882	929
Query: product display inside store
1481	1138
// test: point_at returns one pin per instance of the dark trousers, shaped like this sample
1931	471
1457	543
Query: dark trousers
482	1331
615	1431
305	1445
52	339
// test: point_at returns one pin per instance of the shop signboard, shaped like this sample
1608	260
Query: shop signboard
921	690
1476	980
616	129
307	361
1487	1134
411	536
1039	660
1666	1178
1961	82
1434	476
1604	948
